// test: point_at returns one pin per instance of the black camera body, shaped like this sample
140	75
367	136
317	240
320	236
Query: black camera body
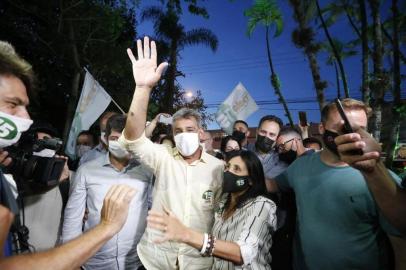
30	170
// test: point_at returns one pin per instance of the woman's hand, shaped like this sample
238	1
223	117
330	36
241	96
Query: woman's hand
169	224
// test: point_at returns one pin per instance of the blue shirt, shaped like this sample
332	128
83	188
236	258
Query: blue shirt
97	151
270	161
339	225
89	188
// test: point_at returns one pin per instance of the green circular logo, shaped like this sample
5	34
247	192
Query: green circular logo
8	130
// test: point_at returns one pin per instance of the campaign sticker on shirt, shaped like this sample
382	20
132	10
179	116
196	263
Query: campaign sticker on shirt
208	196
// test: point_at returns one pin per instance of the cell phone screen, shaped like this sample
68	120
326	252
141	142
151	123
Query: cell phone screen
302	118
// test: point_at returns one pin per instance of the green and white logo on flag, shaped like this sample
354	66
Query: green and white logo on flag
237	106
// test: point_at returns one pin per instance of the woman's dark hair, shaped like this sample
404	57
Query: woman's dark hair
224	142
167	137
256	175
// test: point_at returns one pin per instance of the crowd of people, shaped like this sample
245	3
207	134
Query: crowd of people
135	198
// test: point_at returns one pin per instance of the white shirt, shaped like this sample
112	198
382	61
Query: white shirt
43	218
89	188
188	190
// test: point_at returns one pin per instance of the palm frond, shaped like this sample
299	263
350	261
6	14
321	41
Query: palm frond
200	36
152	13
265	12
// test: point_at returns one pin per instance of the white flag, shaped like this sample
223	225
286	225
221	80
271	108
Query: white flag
238	106
92	103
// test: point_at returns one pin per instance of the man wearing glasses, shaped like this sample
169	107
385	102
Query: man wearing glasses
289	145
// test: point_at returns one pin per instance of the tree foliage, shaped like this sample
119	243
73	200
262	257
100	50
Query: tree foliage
268	14
59	38
172	38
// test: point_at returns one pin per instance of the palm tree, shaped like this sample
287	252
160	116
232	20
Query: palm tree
396	106
366	92
303	37
378	85
267	13
172	35
344	51
354	11
336	54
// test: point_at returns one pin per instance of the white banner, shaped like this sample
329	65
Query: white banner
238	106
92	103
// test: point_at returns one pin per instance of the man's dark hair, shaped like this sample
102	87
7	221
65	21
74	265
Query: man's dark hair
271	118
288	130
90	134
310	140
255	174
45	127
116	122
11	64
241	122
107	114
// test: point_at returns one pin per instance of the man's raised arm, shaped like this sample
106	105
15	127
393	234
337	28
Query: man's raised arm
146	75
390	198
76	252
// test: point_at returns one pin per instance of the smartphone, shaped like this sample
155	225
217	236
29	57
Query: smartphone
347	125
165	120
302	119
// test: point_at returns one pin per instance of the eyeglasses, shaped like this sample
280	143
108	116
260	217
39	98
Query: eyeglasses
282	147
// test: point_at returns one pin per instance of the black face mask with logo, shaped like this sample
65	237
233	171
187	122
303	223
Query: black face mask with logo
234	183
328	139
264	144
288	156
238	135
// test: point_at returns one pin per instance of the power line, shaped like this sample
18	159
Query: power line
235	60
288	101
239	68
242	63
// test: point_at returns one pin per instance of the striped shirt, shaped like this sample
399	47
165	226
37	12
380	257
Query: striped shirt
251	227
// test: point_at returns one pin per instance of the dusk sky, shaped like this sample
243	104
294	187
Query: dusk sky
243	59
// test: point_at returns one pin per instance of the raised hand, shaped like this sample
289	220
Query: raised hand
5	160
145	70
115	207
65	173
359	140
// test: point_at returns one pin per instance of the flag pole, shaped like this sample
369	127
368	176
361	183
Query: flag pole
118	106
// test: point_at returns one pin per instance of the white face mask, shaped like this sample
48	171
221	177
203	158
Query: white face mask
187	143
11	128
44	153
103	137
82	149
116	150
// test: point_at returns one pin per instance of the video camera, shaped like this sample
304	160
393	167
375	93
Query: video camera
31	170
